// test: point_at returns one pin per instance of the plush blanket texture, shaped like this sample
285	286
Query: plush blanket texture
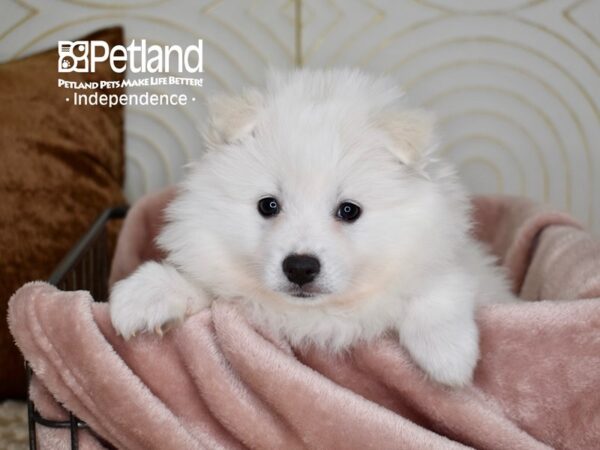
217	382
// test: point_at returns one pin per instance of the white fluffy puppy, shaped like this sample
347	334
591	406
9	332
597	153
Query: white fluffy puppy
319	206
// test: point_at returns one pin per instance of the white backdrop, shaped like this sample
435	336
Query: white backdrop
515	83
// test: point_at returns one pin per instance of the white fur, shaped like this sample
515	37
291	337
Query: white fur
155	295
313	140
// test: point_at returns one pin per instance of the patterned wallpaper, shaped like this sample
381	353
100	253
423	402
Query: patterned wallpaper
515	83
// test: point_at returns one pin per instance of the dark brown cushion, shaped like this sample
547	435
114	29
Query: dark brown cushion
60	166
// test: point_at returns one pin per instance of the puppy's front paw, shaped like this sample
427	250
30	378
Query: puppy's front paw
448	353
153	297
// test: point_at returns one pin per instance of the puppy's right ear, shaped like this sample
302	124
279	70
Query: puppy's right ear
412	135
231	118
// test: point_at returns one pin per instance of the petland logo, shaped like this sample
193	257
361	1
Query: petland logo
82	56
138	60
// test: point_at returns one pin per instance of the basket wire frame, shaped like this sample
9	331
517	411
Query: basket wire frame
85	267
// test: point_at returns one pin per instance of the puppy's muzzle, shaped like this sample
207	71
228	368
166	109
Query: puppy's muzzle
301	269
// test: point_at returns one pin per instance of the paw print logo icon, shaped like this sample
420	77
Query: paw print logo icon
73	56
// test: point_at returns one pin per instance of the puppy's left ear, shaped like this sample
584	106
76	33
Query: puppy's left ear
411	134
231	118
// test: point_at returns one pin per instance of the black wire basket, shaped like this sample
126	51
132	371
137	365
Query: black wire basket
85	267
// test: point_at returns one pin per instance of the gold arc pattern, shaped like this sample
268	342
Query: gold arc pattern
298	24
31	11
167	169
339	14
433	5
134	160
208	11
486	162
542	56
115	5
250	13
523	100
567	14
568	74
496	141
377	18
165	125
511	123
556	94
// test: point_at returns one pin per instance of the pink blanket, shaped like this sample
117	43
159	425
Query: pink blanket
216	382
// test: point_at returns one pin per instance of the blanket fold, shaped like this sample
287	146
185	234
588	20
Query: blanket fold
218	382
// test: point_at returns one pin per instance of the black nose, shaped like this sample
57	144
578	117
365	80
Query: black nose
301	269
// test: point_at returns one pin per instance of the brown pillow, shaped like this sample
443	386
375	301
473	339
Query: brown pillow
60	166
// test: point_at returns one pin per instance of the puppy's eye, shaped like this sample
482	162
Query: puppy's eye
268	207
348	212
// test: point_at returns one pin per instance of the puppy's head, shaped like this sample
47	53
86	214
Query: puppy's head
321	191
